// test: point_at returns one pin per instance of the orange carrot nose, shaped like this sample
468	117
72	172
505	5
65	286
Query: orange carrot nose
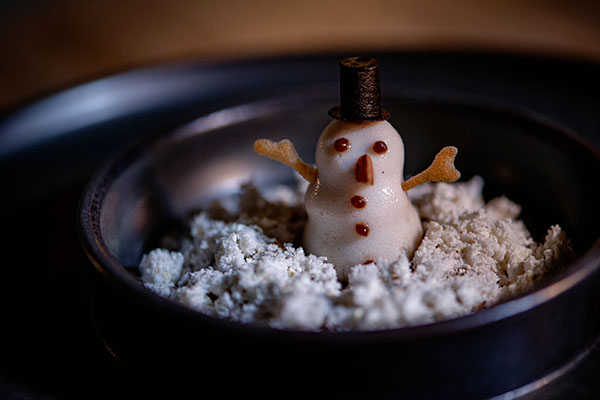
364	169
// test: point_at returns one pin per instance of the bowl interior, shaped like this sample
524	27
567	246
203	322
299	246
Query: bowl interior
150	187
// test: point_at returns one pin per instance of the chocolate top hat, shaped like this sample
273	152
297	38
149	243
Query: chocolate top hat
360	92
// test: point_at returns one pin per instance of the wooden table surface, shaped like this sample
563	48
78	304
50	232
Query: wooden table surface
46	45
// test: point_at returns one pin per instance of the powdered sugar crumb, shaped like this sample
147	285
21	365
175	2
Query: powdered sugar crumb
241	261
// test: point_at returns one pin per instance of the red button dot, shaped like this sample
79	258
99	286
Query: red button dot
358	201
362	229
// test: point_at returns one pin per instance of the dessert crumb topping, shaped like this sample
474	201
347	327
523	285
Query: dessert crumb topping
242	260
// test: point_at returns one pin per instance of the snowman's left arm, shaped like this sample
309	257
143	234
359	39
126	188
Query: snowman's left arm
441	170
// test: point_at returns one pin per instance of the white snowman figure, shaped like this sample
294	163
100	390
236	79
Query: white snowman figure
356	202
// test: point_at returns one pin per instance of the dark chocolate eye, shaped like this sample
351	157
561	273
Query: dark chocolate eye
342	144
380	147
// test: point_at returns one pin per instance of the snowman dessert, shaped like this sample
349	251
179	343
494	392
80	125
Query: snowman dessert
357	206
353	251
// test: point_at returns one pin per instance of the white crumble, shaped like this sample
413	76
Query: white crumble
160	269
238	262
445	202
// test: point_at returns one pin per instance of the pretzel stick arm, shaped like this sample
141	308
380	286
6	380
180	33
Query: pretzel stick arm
285	152
416	180
441	170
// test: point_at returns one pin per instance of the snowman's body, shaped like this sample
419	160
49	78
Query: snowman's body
353	220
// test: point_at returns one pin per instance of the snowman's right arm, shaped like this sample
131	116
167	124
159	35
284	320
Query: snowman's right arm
285	152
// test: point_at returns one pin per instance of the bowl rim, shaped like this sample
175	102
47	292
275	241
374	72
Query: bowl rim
117	275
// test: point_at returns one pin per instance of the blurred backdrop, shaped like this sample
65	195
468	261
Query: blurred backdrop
46	45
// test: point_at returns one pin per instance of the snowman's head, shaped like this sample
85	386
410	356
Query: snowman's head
361	153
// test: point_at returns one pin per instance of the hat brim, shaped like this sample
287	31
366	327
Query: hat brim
336	112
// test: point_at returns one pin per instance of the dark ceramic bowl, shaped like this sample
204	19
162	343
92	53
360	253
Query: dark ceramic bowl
511	347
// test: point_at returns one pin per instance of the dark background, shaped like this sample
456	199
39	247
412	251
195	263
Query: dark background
49	44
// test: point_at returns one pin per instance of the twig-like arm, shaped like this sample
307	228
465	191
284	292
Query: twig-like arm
285	152
441	170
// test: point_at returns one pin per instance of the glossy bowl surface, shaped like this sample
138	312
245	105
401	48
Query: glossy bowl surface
156	183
